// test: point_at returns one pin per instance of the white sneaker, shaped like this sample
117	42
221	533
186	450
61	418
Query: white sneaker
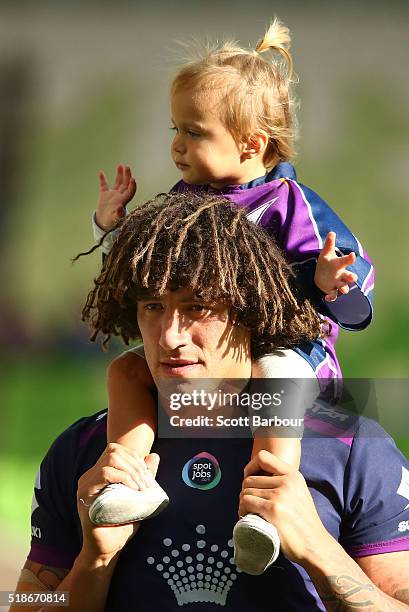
256	544
118	504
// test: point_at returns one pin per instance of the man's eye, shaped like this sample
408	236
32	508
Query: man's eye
153	306
198	308
193	134
173	128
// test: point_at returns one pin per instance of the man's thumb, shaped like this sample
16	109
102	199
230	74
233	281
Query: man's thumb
152	461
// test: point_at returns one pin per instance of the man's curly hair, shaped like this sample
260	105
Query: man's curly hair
204	243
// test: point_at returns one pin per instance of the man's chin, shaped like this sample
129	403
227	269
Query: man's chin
191	386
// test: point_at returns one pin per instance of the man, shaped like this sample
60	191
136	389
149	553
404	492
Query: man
341	538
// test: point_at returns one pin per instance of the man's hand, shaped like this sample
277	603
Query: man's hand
116	464
281	497
331	275
112	200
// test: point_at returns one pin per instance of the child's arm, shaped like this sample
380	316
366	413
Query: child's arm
132	407
331	274
113	200
303	221
111	204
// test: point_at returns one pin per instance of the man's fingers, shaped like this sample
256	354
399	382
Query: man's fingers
261	493
329	245
120	457
255	505
136	469
267	462
103	183
90	485
152	462
261	482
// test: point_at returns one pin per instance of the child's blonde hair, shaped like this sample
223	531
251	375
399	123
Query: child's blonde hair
256	91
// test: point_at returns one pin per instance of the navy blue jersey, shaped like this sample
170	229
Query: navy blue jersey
184	557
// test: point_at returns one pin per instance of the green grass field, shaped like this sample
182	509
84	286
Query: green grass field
42	396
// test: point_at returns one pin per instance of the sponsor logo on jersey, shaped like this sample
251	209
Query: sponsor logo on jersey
403	488
202	472
35	531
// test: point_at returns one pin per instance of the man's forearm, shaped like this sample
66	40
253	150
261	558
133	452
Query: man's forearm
87	584
343	586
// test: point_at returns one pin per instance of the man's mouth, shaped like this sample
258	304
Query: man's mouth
178	367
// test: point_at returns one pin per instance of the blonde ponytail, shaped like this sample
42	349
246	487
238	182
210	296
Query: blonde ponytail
278	39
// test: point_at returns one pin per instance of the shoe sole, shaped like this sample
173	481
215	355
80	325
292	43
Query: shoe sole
255	546
99	515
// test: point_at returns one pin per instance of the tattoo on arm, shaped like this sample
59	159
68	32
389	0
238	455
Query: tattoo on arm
342	593
48	575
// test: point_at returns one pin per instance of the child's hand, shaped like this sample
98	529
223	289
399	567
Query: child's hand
331	275
112	201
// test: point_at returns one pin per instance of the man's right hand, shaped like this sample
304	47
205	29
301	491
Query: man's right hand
116	464
113	200
276	491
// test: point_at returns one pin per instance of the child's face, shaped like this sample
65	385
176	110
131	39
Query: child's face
203	149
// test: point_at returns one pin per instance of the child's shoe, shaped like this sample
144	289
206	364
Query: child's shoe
256	544
118	504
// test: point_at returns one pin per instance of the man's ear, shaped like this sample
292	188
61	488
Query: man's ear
254	145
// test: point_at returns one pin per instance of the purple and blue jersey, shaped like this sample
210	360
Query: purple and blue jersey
184	557
299	220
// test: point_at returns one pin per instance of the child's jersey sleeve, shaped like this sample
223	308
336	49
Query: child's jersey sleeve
303	231
55	538
376	500
99	233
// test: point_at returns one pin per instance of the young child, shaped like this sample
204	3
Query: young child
233	118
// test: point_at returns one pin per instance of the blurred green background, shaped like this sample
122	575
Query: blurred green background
84	87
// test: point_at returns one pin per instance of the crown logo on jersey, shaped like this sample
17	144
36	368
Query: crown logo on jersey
196	576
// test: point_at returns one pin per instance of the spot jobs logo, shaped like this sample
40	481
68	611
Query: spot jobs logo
202	472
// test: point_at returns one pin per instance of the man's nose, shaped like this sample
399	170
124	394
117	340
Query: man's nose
173	331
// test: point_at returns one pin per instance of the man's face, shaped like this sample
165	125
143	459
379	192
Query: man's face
185	337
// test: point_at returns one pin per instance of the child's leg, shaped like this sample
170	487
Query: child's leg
302	383
132	423
131	403
288	448
256	541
